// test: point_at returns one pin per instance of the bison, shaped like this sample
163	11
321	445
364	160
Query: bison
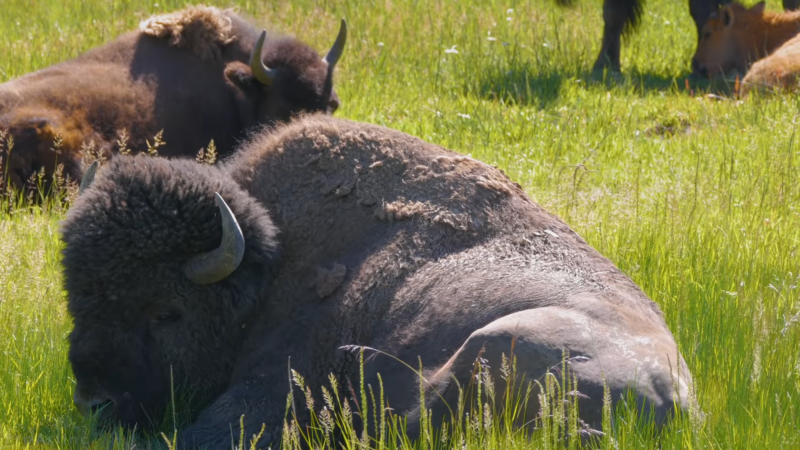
623	16
327	233
734	37
778	71
199	74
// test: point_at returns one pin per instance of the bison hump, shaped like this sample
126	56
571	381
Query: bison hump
201	30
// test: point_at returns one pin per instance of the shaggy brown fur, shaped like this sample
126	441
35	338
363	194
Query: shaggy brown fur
185	72
778	71
388	242
735	37
200	30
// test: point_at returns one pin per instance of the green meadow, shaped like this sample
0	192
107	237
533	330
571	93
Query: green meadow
696	197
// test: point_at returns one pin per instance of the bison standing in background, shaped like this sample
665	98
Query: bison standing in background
622	16
200	74
327	233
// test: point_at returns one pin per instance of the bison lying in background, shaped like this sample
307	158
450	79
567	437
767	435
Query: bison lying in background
778	71
333	233
734	37
621	16
200	74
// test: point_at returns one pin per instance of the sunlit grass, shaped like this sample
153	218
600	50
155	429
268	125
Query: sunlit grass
696	199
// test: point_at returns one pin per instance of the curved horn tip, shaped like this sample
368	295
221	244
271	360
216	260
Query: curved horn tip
232	237
88	177
219	263
338	46
261	72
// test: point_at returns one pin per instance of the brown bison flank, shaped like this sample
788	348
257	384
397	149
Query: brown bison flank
188	73
386	241
777	72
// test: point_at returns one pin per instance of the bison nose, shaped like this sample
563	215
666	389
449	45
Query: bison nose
93	404
698	69
333	105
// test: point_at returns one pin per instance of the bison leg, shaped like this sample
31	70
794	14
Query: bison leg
644	365
218	422
615	14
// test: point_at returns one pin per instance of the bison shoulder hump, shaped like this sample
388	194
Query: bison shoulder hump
200	30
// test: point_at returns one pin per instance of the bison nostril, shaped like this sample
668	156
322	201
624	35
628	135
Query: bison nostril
99	406
94	405
698	69
333	106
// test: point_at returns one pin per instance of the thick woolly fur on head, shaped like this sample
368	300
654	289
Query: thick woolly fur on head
136	315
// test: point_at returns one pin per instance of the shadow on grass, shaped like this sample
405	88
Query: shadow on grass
527	86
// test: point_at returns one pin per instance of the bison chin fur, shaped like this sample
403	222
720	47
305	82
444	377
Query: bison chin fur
139	321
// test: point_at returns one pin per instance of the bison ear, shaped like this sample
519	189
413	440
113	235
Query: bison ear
241	76
758	8
727	16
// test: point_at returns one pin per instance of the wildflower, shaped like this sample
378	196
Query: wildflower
451	50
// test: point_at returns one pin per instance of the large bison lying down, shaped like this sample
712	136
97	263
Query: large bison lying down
199	74
385	241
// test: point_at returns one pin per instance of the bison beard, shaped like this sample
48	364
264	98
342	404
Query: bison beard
386	241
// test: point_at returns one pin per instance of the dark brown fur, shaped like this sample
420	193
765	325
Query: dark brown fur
184	72
388	242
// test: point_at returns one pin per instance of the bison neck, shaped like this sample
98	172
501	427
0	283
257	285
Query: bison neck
778	28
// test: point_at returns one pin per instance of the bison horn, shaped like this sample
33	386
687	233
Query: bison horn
88	177
262	73
217	264
338	47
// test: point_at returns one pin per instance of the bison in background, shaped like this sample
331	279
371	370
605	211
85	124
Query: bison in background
778	71
199	74
328	233
623	16
735	37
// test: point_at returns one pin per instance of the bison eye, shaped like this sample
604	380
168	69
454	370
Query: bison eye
706	35
165	317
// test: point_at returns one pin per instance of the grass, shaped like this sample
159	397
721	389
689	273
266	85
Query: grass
696	199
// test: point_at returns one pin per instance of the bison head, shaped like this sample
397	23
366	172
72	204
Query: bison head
163	277
287	78
729	40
